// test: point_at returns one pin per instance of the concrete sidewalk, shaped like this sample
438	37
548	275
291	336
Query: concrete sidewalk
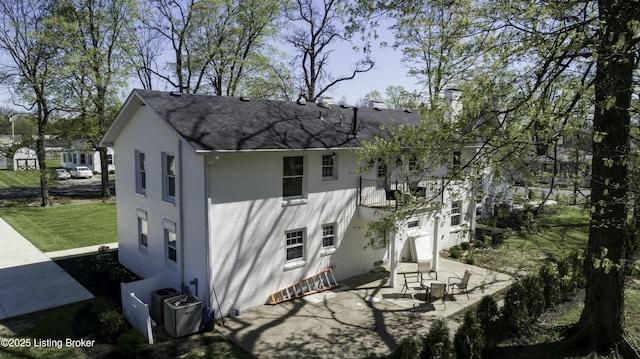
364	315
29	280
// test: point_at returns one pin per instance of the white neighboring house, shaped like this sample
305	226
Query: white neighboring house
235	198
24	159
84	155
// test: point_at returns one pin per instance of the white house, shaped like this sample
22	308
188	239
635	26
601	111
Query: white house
232	199
84	155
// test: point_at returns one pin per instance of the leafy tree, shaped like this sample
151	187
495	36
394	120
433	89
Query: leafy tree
94	50
317	29
211	42
398	98
26	41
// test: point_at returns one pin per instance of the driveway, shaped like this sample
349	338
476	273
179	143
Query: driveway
30	281
362	316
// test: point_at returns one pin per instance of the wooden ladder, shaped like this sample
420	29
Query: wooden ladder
318	282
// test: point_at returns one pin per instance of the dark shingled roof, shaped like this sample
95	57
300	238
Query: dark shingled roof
218	123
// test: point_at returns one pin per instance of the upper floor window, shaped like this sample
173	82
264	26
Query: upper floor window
141	173
455	213
382	169
293	176
457	160
169	178
329	167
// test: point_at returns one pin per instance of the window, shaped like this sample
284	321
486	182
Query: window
295	245
142	229
455	213
109	159
170	240
382	169
292	176
64	157
413	163
75	158
413	224
329	167
90	160
141	174
83	159
169	180
457	161
328	235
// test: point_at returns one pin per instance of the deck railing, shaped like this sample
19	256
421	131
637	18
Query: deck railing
389	194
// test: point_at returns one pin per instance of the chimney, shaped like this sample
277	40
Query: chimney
354	123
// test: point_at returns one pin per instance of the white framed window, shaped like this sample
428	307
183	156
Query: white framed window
83	159
171	241
457	161
109	159
382	169
169	177
295	245
143	233
329	168
141	173
328	235
413	224
455	213
293	177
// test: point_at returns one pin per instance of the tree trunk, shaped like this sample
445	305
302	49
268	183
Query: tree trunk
104	170
44	180
601	323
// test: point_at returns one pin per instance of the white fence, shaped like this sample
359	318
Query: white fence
136	297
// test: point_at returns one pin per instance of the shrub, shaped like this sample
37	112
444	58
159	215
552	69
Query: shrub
130	343
479	244
469	340
437	344
455	252
488	315
550	275
535	299
469	259
111	323
514	315
101	305
408	348
465	245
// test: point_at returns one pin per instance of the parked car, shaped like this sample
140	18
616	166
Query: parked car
81	172
60	174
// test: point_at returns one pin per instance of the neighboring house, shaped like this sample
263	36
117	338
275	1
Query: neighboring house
85	155
24	159
232	199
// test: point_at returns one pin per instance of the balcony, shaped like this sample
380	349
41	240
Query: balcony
386	194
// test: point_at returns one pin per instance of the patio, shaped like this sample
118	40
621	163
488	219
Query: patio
364	315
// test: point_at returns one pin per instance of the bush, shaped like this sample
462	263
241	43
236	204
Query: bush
130	343
488	315
469	341
465	245
455	252
535	299
437	344
408	348
111	323
106	262
101	304
514	315
550	275
469	259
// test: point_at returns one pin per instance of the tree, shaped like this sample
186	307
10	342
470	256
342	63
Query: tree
95	58
26	40
557	62
211	42
398	98
317	30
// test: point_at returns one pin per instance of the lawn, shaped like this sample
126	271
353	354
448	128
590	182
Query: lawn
20	179
71	225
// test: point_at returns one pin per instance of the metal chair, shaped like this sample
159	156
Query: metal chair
412	280
462	285
424	267
437	291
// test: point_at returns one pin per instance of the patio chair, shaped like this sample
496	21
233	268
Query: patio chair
424	267
437	291
412	280
462	285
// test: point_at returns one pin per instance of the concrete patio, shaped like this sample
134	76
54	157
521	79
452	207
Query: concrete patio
364	315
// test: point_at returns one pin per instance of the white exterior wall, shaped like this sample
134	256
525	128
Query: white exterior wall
148	134
92	159
249	219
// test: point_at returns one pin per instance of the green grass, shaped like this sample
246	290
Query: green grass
549	235
63	227
20	179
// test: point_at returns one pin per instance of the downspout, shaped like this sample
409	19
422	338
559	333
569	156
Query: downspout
180	216
435	263
393	266
207	207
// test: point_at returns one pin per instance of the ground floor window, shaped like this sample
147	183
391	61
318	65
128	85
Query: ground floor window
295	245
328	235
171	240
455	213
